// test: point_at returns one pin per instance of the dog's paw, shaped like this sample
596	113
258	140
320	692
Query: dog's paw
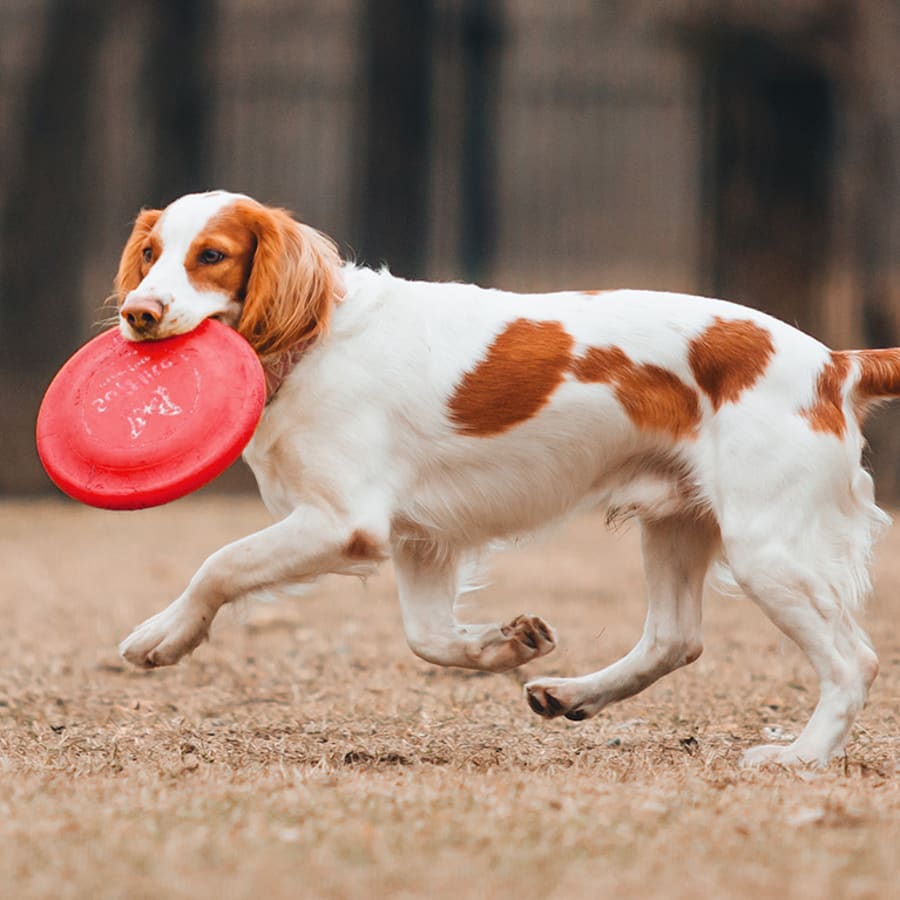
778	755
554	697
524	639
530	637
164	638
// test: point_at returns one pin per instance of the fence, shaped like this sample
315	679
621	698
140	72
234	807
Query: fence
680	144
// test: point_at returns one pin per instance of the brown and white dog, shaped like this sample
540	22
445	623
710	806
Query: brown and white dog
423	422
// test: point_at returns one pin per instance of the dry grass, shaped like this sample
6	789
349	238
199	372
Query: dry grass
306	752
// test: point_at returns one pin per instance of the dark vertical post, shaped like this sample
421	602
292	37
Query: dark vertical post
179	96
43	258
397	133
773	120
481	32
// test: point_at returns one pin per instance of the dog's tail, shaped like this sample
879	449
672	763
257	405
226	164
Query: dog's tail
877	374
856	380
849	385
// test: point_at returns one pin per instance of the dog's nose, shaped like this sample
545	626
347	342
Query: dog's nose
142	313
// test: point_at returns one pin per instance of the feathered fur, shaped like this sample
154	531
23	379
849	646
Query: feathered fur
426	422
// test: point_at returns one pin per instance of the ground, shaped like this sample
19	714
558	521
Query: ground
305	752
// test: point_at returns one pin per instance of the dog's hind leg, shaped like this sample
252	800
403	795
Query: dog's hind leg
806	609
677	554
428	584
799	545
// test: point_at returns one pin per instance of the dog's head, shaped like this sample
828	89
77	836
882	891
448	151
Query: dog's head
225	256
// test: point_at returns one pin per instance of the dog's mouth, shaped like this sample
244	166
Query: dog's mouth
154	332
137	328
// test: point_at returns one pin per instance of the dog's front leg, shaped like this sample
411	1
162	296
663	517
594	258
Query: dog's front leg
308	543
428	584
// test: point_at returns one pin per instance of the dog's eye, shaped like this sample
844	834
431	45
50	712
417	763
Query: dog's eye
147	254
210	257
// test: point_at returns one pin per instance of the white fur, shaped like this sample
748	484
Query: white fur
358	440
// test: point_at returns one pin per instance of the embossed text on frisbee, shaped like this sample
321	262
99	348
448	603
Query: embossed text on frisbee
116	388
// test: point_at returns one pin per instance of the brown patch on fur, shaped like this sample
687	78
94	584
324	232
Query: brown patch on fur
132	267
529	360
293	282
364	546
230	234
654	398
601	364
522	368
826	413
729	357
593	293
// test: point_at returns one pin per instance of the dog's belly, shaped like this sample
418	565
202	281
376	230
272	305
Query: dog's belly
471	490
484	503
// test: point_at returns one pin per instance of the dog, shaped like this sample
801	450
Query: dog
424	422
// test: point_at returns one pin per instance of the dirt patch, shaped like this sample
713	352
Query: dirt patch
306	752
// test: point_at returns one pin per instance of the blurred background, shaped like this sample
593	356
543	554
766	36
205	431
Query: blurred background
745	150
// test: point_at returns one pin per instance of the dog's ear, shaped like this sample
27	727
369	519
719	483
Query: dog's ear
294	280
129	275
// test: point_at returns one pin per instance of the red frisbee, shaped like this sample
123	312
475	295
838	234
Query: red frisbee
126	425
